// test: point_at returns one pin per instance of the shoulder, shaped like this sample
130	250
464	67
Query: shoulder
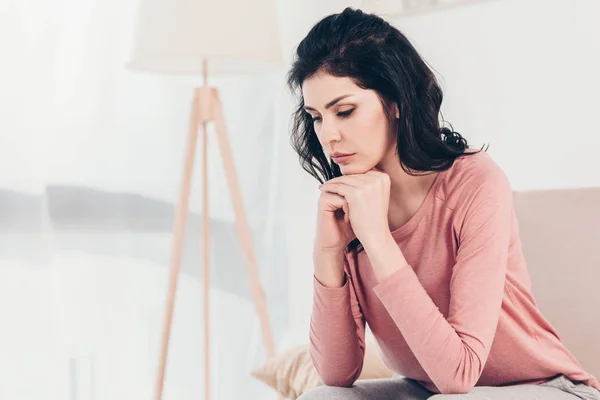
474	176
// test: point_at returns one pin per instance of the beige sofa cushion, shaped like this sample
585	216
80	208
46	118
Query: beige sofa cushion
292	373
560	232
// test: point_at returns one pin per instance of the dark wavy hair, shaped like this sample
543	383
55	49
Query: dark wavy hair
377	56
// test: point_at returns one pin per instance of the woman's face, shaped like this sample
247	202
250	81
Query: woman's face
350	123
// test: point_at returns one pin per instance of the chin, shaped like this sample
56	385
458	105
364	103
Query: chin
352	169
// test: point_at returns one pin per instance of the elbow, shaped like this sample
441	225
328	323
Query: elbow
335	376
458	383
463	380
335	371
337	381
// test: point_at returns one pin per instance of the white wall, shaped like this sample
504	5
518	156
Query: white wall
521	75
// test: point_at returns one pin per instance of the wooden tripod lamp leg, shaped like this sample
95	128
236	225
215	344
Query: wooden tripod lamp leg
242	224
207	107
206	260
178	239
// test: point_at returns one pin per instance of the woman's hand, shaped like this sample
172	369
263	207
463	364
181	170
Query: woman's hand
332	236
333	226
367	197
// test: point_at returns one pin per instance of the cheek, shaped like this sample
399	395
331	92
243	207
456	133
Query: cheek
374	133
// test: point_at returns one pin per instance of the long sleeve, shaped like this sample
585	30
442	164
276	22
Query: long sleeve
453	350
337	333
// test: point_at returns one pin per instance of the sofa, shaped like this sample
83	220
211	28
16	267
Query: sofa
560	233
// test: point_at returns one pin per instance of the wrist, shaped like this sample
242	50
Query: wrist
328	254
329	267
329	280
378	241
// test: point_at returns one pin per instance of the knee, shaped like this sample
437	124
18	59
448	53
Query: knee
328	393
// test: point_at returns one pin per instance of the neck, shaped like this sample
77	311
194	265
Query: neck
407	192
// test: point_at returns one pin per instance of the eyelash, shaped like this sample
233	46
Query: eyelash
343	114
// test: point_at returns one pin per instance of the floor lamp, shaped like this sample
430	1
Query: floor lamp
202	37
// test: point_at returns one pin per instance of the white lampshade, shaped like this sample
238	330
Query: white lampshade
234	36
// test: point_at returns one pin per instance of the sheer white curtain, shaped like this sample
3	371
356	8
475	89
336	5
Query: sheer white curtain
90	166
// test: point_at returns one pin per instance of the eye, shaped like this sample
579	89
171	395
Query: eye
345	114
314	119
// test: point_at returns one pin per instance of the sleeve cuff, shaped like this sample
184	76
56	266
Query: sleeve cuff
330	293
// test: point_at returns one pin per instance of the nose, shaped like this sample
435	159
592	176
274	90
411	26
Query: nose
329	133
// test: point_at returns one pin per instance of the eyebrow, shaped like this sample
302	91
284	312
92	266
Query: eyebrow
331	103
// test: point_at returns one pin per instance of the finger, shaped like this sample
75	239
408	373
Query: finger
346	212
337	188
332	201
350	180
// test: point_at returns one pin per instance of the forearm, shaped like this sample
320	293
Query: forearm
385	256
329	268
337	340
337	328
452	360
452	353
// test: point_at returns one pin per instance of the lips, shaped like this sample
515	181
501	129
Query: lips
340	158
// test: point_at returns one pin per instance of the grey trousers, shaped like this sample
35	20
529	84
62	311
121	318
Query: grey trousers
398	388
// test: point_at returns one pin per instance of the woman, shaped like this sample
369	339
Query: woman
416	234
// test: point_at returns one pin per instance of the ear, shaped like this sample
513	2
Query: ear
396	111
